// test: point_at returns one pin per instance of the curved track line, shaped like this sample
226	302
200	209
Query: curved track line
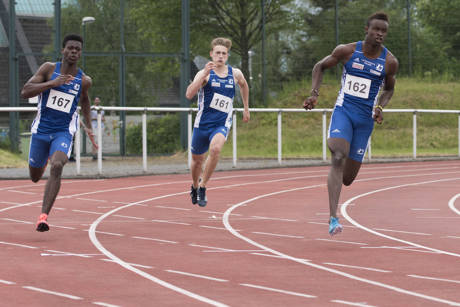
452	204
343	211
226	222
102	249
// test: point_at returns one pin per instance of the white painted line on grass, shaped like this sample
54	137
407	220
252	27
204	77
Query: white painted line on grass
73	297
279	290
197	276
435	278
357	267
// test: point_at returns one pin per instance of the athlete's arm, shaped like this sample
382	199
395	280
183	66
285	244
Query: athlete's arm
200	80
40	82
85	104
341	53
391	68
244	91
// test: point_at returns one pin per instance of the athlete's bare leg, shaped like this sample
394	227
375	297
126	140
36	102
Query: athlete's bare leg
215	148
350	171
57	162
339	150
196	168
36	173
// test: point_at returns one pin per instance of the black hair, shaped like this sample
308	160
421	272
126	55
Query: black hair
72	37
379	15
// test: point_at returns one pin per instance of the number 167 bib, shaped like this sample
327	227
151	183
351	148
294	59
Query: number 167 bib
60	101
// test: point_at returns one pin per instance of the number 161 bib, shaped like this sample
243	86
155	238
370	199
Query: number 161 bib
221	103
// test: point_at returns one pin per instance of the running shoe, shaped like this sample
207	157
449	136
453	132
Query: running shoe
334	226
202	200
194	194
42	224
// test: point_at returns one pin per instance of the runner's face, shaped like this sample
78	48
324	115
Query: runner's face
376	31
72	51
219	55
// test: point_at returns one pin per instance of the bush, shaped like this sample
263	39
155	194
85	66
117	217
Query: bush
163	136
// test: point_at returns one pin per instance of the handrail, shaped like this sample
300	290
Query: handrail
189	111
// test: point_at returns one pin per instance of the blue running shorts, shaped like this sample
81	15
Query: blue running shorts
202	138
353	126
43	146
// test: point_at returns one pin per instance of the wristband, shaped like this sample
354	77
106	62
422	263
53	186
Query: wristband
379	107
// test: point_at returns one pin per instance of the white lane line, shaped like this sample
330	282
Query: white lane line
279	290
277	235
85	211
105	304
401	231
343	210
18	245
173	208
22	192
424	209
357	267
130	263
92	199
274	256
17	221
101	248
157	240
129	217
73	297
215	212
404	248
452	204
61	253
9	203
340	241
359	304
435	278
197	275
212	247
6	282
453	237
212	227
108	233
171	222
273	218
64	227
317	266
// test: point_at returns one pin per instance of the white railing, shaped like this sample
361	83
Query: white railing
145	110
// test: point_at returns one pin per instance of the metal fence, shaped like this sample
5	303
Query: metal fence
279	112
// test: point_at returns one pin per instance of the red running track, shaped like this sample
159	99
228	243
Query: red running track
261	241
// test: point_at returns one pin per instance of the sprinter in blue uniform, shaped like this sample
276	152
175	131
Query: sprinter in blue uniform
368	66
59	86
215	85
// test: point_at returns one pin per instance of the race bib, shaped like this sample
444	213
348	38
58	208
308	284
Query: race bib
356	86
221	103
60	101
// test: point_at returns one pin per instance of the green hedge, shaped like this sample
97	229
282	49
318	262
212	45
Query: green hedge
163	136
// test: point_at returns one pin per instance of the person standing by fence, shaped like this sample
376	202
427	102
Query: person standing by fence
97	101
368	66
215	85
60	86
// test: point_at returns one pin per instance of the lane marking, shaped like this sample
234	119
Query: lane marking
18	245
274	256
173	208
343	211
423	209
435	278
22	192
453	237
279	290
318	266
17	221
273	218
401	231
452	204
73	297
197	276
364	304
105	304
277	235
157	240
357	267
340	241
129	217
92	199
6	282
133	264
86	211
61	253
171	222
